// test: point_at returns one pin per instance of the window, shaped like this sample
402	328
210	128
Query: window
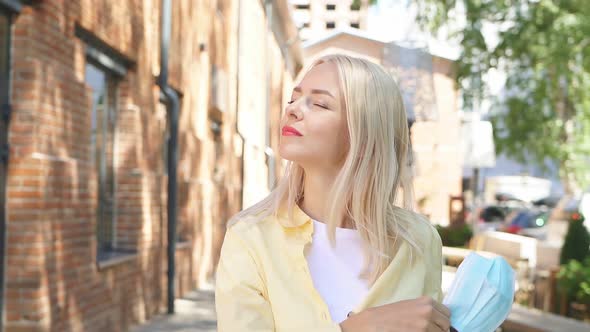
302	6
105	68
306	25
4	118
103	149
355	25
330	25
330	7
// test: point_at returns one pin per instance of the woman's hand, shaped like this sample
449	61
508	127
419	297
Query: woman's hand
420	315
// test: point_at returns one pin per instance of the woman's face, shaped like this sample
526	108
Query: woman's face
313	128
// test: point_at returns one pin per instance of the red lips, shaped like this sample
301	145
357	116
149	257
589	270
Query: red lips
290	131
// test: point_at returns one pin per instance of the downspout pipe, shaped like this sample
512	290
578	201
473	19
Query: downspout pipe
172	108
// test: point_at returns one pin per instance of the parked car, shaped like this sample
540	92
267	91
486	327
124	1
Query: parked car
490	218
530	219
494	217
529	222
567	207
492	213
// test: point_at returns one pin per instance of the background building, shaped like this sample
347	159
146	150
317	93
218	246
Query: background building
83	196
315	18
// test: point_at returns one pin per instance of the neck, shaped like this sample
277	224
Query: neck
317	185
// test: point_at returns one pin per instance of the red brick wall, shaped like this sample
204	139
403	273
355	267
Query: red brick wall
53	280
53	283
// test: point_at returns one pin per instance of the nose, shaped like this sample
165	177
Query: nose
296	109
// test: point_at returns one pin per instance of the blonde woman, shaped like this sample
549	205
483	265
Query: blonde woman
330	249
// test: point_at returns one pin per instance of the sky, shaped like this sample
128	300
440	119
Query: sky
395	20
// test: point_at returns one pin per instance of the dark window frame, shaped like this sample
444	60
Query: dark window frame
103	138
330	7
102	54
330	25
355	25
114	67
104	150
14	6
6	12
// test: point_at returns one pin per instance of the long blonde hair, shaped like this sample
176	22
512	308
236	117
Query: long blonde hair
375	172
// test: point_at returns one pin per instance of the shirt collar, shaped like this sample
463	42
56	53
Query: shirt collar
299	217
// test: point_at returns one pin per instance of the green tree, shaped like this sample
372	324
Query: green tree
544	48
357	3
576	245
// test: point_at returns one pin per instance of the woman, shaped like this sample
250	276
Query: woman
329	249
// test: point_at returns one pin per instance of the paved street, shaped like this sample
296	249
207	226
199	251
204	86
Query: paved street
194	312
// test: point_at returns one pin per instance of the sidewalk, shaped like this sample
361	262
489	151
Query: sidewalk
195	313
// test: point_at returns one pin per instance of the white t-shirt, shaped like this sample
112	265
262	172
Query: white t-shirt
335	271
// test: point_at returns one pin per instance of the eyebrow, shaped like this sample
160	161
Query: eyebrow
316	91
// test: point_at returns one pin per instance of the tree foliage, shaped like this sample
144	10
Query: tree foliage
576	244
357	3
543	46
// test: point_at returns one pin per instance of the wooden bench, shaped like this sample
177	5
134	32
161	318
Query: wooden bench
513	247
454	256
523	319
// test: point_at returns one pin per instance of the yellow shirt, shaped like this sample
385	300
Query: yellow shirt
263	282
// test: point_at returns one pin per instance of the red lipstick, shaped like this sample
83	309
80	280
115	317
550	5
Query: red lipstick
290	131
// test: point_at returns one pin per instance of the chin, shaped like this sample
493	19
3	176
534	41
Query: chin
292	153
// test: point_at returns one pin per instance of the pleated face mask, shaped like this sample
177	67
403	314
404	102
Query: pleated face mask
481	295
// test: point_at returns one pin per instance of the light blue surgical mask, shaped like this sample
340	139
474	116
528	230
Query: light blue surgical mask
481	295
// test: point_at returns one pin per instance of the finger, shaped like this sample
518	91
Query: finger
442	309
441	321
435	328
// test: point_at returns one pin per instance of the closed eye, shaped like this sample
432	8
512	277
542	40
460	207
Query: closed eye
316	104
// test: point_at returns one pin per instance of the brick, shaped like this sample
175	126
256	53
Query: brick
26	194
25	327
52	198
26	172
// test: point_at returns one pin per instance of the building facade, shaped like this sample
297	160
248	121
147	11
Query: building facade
431	100
315	18
84	134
